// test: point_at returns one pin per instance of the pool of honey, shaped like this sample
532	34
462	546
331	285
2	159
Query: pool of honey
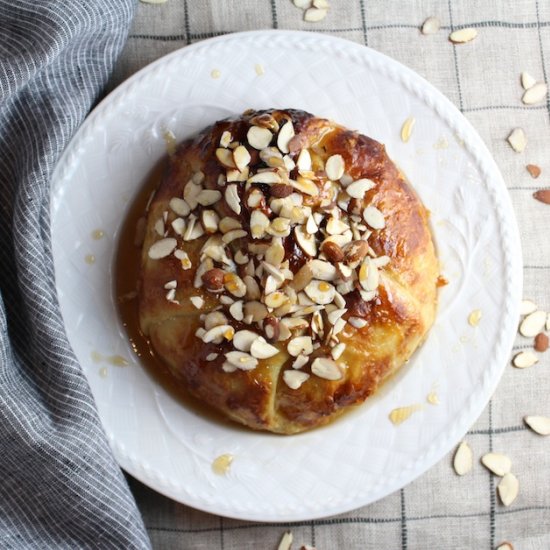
127	265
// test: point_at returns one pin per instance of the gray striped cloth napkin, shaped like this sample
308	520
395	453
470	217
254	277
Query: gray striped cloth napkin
60	486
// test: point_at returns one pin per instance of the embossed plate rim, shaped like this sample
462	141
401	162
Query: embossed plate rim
415	85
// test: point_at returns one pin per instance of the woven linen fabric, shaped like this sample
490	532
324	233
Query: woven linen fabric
59	484
440	509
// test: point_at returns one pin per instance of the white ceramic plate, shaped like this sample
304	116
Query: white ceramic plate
362	457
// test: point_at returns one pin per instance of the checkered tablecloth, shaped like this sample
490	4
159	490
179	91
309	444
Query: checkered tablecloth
439	510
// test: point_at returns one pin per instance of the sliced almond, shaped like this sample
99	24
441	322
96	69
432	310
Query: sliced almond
234	285
210	221
286	541
497	463
197	301
269	177
320	292
225	139
241	157
374	217
241	360
357	322
322	270
368	275
194	230
335	167
294	378
259	223
314	15
302	278
236	310
527	80
539	424
337	350
463	35
178	225
162	248
431	25
305	241
535	94
303	162
230	236
275	254
508	489
326	368
275	299
214	319
517	140
300	345
525	359
463	459
179	206
358	188
286	133
305	185
406	130
255	310
232	198
218	333
302	4
227	224
505	546
321	4
225	157
532	324
300	361
258	137
336	227
542	195
260	349
534	170
211	356
527	306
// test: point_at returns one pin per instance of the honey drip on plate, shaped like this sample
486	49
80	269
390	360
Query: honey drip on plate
98	234
433	398
222	464
399	415
127	267
89	259
474	318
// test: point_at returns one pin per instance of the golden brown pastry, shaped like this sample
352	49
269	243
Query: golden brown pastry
287	269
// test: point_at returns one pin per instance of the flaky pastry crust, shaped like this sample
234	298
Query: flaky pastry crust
381	327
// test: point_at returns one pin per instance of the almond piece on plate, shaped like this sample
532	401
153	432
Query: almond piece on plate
543	195
535	94
525	359
505	546
508	489
534	170
517	140
497	463
527	80
463	35
430	26
532	324
539	424
463	459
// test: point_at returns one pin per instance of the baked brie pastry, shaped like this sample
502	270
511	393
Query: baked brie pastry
287	270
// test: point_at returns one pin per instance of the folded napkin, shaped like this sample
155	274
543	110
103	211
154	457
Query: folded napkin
59	483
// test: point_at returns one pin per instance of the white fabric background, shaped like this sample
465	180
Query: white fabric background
439	510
